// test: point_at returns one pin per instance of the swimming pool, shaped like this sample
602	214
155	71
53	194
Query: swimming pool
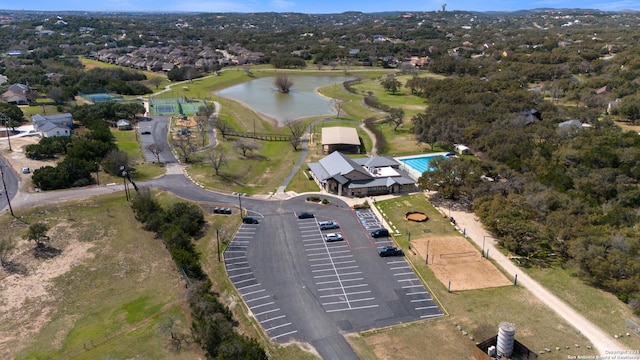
420	163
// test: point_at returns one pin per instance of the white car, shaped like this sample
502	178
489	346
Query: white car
327	225
333	237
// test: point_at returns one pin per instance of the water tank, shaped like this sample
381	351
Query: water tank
506	337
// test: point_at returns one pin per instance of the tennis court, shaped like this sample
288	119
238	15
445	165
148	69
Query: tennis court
99	97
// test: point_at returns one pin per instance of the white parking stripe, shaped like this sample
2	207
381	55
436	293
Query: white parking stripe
271	319
430	316
277	326
266	312
248	286
252	292
261	305
244	274
426	307
256	299
285	334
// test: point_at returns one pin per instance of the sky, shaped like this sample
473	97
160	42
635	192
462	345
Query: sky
312	6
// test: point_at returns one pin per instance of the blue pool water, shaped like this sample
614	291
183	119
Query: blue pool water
421	164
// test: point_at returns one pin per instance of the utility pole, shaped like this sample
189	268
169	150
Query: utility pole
5	118
97	173
6	193
240	202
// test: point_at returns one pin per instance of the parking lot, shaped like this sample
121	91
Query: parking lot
260	302
299	286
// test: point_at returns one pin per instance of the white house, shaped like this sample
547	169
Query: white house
53	125
50	129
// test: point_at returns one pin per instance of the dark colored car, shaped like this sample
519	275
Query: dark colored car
250	220
389	251
305	215
380	233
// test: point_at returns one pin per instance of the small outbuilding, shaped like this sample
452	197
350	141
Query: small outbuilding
462	149
123	124
340	138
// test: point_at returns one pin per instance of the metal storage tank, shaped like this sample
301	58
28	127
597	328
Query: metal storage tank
506	338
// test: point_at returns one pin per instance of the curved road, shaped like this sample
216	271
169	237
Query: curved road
175	182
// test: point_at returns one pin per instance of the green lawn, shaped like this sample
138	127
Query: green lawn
261	172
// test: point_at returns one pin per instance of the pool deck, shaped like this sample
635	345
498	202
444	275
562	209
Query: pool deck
415	174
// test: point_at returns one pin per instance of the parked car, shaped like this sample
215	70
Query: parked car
250	220
305	215
389	251
380	233
328	225
333	237
26	170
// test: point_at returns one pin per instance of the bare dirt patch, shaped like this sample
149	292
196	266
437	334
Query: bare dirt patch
17	159
453	259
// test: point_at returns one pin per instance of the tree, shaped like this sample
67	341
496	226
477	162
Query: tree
217	159
451	177
244	146
396	116
56	94
336	105
283	83
297	130
201	127
156	150
38	233
113	162
223	127
391	84
155	81
184	146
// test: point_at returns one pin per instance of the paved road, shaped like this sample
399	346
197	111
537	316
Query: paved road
474	230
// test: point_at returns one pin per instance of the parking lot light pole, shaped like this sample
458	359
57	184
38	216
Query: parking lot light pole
240	203
427	257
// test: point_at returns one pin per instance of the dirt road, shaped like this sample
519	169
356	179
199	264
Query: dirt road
600	340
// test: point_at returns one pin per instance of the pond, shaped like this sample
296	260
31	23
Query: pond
302	101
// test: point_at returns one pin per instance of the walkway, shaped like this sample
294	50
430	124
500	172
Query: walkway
474	230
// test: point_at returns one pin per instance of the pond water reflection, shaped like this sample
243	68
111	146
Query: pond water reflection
302	101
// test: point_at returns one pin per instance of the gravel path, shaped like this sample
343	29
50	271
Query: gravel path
600	340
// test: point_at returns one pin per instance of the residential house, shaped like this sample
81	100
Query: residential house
16	94
50	129
338	174
53	125
603	90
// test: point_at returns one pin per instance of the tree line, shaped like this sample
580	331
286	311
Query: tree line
212	323
551	195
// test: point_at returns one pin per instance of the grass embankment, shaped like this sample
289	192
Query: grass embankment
127	142
108	302
476	311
